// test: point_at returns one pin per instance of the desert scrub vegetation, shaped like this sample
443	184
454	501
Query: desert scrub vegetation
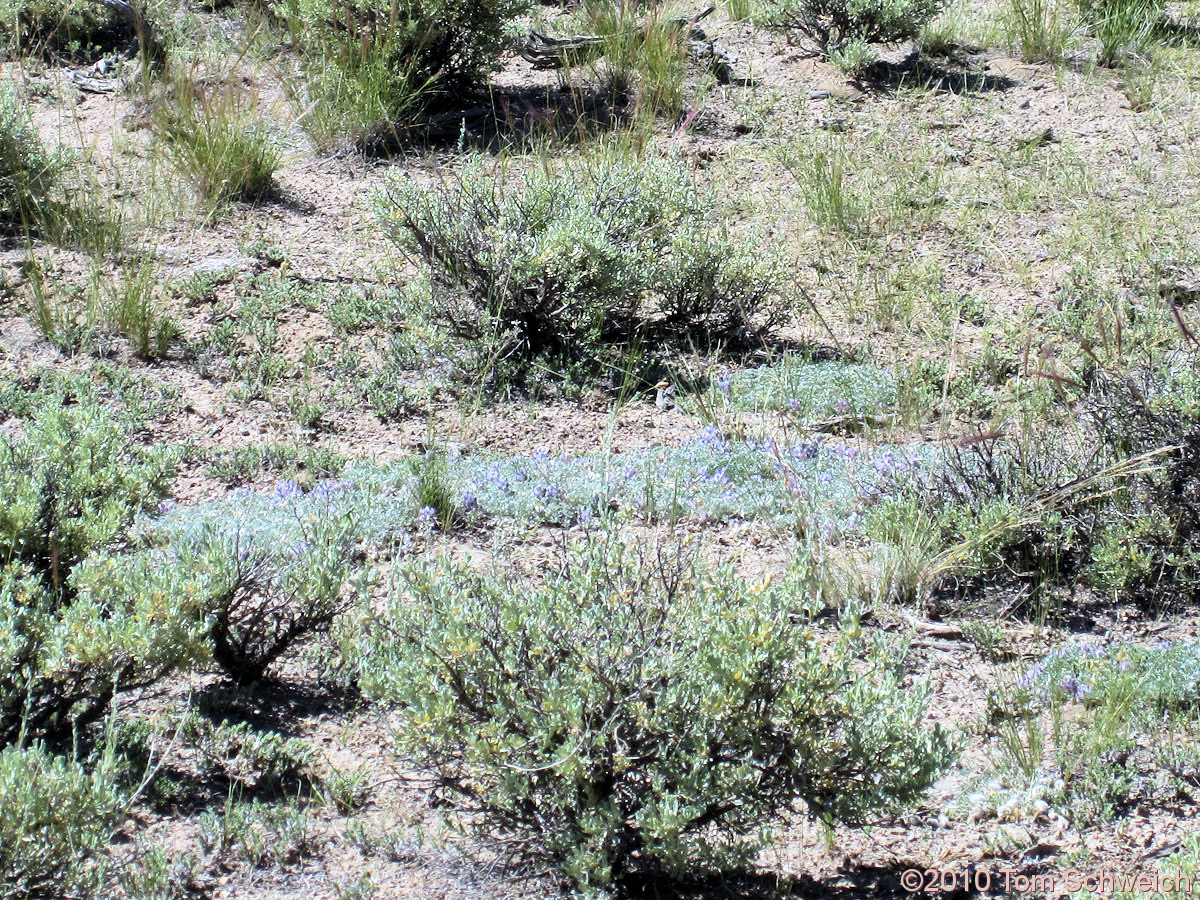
841	29
373	70
578	266
60	28
263	598
216	138
79	623
56	819
85	30
1107	501
27	170
1066	728
633	713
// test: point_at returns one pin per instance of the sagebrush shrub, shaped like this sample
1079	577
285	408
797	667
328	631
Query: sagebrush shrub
373	68
635	714
72	483
132	620
263	597
27	170
580	263
75	30
84	30
54	817
77	626
829	26
1113	504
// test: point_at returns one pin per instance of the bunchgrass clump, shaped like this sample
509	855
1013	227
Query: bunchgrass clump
219	140
1124	29
372	71
1041	30
636	715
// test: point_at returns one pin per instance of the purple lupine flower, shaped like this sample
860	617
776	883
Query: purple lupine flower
1124	665
724	382
793	405
806	450
711	438
1162	645
469	502
286	490
427	516
547	492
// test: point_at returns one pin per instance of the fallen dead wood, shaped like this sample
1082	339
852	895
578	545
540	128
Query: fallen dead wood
545	52
150	45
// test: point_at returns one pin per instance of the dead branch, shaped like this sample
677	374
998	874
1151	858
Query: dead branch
544	52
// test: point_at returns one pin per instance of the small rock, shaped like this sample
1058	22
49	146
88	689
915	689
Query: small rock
1037	139
225	268
818	95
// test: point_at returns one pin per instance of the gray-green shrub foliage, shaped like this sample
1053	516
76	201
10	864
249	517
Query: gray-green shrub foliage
132	620
262	595
829	26
77	625
75	29
580	261
635	712
71	483
54	816
27	170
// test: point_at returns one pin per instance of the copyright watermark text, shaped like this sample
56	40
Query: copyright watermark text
1011	881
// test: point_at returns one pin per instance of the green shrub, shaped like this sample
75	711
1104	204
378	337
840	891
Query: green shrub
259	761
829	26
133	619
854	59
78	627
1112	504
264	596
580	264
77	30
374	68
635	714
84	30
54	817
71	484
27	171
